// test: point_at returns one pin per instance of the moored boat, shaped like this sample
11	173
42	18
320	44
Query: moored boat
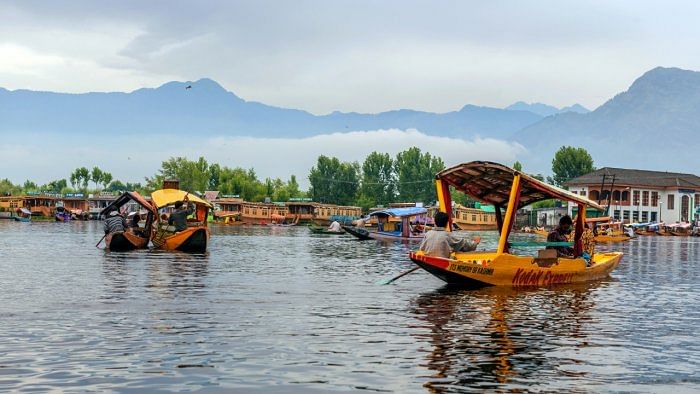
23	215
62	215
608	230
324	230
502	186
195	237
394	224
135	237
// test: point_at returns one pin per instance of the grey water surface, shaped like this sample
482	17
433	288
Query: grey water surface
281	310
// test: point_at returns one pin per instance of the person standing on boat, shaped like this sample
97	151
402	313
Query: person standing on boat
561	234
178	219
440	243
114	223
335	227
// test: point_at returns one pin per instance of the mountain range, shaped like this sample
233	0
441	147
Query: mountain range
206	108
654	124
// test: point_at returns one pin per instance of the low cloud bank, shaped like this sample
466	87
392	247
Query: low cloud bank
131	158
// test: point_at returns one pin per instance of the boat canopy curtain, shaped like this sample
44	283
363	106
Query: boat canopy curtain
578	232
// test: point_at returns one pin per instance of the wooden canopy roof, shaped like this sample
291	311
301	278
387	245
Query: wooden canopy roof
491	183
125	198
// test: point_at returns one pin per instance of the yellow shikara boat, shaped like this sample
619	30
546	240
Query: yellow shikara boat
501	186
608	230
195	237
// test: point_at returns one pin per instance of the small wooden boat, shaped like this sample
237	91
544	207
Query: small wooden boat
357	232
23	215
324	230
61	215
608	230
496	184
394	224
195	237
541	232
132	238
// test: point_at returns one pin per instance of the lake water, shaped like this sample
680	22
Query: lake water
281	310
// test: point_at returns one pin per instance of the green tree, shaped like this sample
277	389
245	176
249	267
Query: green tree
378	185
333	181
569	163
29	186
116	186
82	176
293	187
7	188
55	186
415	173
96	175
517	166
106	179
193	175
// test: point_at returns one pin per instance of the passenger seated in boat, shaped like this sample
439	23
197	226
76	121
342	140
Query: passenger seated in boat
114	223
134	223
335	227
440	243
561	234
178	218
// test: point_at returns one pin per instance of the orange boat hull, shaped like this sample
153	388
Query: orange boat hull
192	239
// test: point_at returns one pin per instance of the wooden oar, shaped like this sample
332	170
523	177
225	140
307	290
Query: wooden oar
386	282
98	242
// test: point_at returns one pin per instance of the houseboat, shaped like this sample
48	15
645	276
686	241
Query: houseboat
228	210
501	186
262	213
301	210
98	202
394	224
477	218
135	237
328	213
195	237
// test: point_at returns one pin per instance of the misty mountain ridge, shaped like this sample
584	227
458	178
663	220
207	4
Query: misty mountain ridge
662	103
656	121
204	107
545	110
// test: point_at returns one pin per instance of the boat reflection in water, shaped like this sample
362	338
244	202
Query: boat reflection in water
501	338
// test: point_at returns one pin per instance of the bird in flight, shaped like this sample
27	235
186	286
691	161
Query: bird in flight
188	87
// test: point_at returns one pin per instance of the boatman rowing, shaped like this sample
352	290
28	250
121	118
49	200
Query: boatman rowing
178	219
440	243
114	223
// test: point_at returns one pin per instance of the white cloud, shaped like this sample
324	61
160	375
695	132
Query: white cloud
353	55
132	158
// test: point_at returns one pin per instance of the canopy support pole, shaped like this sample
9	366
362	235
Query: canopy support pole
510	213
444	200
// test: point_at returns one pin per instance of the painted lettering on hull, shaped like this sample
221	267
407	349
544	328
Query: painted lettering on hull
524	277
470	269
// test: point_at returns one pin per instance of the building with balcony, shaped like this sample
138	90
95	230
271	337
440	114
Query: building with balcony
640	195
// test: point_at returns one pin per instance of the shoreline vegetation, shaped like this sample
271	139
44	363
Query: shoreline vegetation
378	181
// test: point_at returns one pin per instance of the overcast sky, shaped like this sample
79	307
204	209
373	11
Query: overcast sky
323	56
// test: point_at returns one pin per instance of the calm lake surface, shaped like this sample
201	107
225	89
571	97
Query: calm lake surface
281	310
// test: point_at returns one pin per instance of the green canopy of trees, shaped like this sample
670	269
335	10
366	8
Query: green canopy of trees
569	163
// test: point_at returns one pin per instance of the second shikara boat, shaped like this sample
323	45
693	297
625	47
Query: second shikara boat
608	230
395	224
192	239
504	187
133	237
